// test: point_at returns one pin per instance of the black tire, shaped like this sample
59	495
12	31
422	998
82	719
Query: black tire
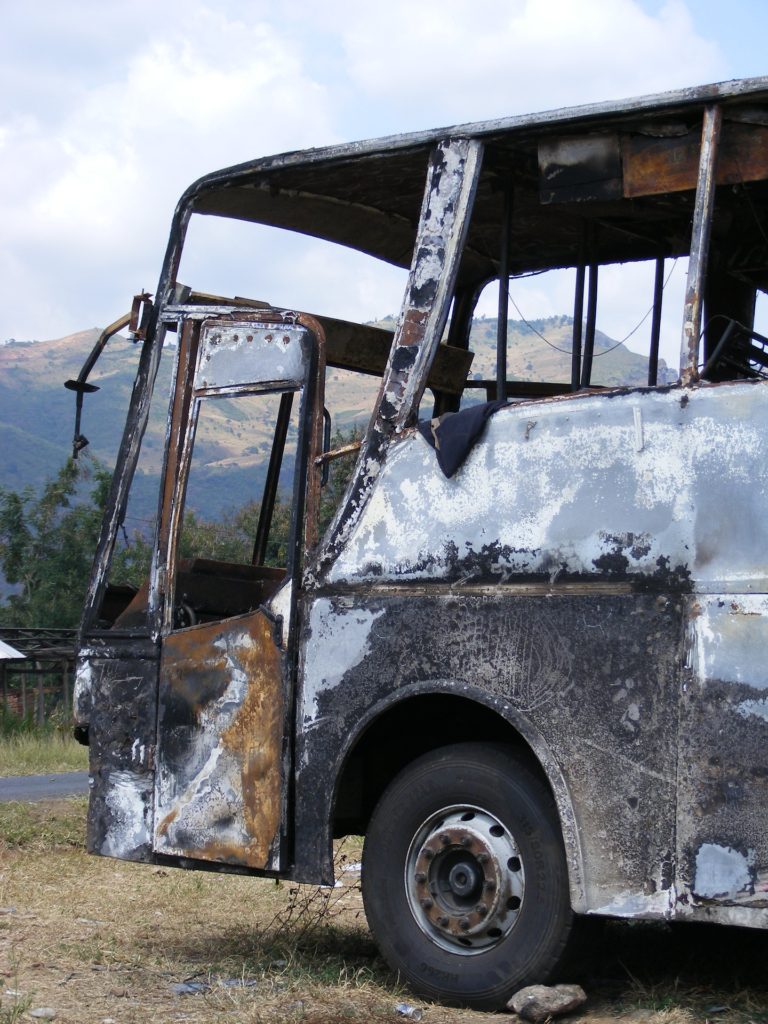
464	877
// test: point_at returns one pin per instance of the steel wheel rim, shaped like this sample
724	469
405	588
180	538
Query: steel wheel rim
464	879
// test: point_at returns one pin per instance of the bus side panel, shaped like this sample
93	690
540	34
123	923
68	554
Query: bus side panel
605	504
723	794
663	489
594	674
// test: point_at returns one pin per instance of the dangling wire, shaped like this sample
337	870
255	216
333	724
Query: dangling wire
602	352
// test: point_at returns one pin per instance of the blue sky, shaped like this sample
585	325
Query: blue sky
108	110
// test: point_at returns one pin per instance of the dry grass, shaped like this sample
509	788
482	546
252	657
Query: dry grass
32	754
101	940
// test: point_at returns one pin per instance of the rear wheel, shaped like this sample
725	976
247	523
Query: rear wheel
464	876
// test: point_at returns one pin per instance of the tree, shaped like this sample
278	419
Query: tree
47	544
340	470
231	538
47	541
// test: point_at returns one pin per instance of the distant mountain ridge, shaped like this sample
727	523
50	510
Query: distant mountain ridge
37	412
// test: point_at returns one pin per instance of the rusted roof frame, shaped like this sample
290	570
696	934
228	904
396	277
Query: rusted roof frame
700	235
377	183
565	117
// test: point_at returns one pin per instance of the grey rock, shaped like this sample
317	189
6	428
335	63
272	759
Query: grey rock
190	988
538	1002
411	1012
43	1013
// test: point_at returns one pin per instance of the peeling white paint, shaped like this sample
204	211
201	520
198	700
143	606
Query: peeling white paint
577	491
758	708
722	871
214	795
139	754
338	642
280	605
728	644
238	353
83	688
128	796
212	790
639	904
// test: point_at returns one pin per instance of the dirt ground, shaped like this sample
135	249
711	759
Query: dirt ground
102	941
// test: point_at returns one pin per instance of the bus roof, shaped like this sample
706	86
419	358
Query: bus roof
621	174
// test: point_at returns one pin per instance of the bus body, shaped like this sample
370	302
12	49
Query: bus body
535	681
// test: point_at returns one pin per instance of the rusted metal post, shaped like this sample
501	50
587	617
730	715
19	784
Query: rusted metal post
40	715
452	178
138	417
700	233
65	686
273	478
501	330
589	335
658	298
578	318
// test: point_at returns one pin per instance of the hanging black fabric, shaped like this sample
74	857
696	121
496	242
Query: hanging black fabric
453	434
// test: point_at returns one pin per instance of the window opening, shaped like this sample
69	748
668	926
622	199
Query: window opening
132	555
235	536
289	270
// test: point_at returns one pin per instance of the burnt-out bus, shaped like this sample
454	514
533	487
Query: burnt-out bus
526	659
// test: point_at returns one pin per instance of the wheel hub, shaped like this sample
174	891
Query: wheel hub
464	879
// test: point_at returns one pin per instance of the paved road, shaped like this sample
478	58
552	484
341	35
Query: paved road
43	787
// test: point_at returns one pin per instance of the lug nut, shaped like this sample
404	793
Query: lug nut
482	858
481	909
428	853
464	924
490	885
466	841
421	877
443	921
444	838
427	904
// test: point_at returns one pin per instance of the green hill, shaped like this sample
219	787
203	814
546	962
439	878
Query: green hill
37	412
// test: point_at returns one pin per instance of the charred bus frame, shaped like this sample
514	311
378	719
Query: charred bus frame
537	685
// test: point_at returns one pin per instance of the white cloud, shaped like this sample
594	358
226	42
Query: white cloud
86	203
471	61
109	111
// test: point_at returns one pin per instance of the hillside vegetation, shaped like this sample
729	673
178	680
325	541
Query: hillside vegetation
37	412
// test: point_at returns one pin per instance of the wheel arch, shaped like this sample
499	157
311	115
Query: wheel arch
428	715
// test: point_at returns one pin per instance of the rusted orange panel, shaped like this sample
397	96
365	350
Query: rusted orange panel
653	166
255	737
219	786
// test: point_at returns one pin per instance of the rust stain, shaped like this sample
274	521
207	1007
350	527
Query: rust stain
314	476
412	331
168	820
255	737
653	166
228	853
229	771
